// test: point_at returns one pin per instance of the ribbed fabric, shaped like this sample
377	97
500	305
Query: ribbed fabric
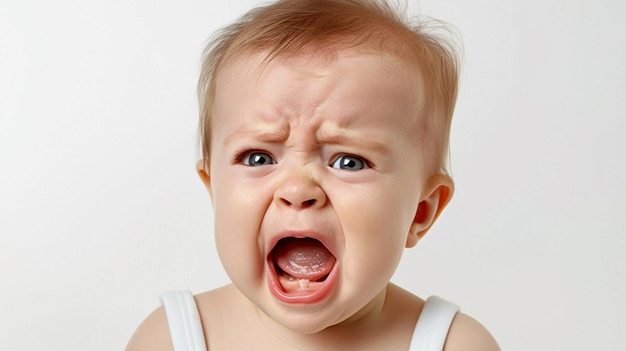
433	325
184	321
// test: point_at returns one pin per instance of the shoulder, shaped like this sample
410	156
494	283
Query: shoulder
467	334
152	334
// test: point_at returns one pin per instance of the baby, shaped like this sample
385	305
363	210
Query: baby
325	127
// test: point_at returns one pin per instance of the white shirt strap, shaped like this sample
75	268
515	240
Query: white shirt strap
184	321
433	325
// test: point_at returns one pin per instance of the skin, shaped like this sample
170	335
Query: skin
303	116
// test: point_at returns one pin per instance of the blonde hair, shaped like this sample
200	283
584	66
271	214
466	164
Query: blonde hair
287	27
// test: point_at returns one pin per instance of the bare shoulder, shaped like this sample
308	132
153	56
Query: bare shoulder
467	334
152	334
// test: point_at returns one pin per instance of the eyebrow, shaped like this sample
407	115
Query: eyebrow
337	135
345	136
274	133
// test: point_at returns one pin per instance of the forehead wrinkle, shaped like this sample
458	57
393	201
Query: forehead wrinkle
349	135
262	130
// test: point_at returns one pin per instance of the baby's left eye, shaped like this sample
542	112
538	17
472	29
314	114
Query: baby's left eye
348	162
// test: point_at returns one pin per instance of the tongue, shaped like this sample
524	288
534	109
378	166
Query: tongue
303	258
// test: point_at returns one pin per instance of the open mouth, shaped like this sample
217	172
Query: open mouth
300	269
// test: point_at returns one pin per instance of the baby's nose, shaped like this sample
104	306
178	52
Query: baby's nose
299	191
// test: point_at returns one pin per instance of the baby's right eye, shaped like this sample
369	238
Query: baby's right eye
257	158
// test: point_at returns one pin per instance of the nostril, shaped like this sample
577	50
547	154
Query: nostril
304	204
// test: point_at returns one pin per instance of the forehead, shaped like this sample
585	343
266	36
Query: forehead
350	85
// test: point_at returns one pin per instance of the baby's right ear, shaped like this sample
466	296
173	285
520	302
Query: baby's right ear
201	168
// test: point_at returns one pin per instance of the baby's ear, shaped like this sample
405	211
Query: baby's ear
202	169
437	193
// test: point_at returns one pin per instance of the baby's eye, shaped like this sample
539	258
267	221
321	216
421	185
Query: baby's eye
255	159
349	162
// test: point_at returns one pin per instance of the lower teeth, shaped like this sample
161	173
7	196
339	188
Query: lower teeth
304	284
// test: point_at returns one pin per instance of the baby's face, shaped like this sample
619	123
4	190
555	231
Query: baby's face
316	174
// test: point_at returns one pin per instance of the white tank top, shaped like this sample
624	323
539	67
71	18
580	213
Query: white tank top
186	331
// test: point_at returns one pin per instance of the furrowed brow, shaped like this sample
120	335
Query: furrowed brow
263	132
349	137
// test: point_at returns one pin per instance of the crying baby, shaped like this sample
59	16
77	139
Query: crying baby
324	128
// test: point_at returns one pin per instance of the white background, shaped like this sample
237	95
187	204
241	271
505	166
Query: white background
101	209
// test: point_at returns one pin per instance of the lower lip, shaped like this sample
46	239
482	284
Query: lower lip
323	289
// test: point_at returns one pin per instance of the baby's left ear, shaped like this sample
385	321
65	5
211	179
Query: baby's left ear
437	194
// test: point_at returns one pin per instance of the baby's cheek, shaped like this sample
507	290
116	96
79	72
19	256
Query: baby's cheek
243	266
374	243
236	241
